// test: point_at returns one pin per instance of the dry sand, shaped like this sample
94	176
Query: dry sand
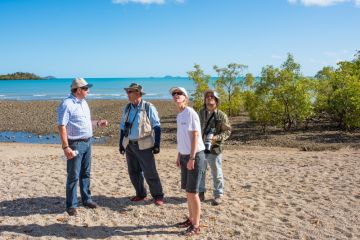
271	193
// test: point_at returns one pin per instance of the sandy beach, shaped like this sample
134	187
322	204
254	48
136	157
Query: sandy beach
302	184
271	193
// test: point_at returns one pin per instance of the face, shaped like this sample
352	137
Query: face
178	96
133	94
210	99
82	92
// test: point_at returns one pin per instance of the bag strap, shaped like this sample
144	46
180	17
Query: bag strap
208	122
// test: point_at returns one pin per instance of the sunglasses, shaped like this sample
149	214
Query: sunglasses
210	96
177	93
131	91
84	88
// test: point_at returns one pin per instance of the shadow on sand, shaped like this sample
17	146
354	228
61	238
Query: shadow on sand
56	205
82	232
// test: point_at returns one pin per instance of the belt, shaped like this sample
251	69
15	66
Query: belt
79	140
133	141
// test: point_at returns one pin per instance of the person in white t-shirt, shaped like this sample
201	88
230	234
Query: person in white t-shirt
190	158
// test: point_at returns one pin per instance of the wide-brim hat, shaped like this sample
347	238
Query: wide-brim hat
181	89
216	95
136	87
80	82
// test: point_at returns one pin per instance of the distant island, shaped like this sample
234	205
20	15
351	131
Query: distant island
169	76
23	76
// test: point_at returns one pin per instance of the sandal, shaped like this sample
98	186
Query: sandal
184	224
192	230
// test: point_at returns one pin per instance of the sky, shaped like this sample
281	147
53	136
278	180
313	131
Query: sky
154	38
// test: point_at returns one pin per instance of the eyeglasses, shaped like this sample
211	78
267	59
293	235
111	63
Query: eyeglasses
85	88
131	91
177	93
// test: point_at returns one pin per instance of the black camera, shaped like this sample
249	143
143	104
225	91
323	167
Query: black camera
127	129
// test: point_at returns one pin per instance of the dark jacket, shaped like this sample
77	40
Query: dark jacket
220	123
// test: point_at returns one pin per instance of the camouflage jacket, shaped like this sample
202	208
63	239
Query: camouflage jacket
220	123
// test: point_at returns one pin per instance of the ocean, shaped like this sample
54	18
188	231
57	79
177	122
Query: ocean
104	88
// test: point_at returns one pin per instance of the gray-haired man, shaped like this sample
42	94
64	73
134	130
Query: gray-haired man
140	140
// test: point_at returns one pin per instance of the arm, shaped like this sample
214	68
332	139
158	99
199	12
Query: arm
68	152
122	131
178	160
194	142
99	123
225	130
155	124
121	147
156	148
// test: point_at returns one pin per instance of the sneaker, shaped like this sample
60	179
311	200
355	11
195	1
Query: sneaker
185	224
91	205
202	196
216	201
192	230
159	201
72	211
137	199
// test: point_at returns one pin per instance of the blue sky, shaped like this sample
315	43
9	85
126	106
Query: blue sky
139	38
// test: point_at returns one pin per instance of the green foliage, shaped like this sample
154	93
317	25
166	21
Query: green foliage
20	76
229	85
323	89
259	109
282	97
249	80
338	93
201	81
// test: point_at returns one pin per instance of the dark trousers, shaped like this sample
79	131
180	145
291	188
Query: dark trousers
141	163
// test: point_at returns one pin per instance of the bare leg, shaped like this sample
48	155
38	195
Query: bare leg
194	208
191	217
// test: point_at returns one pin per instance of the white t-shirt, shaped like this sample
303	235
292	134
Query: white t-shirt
188	121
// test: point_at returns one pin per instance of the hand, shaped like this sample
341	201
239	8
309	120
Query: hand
156	149
102	123
213	140
178	162
121	149
69	153
190	164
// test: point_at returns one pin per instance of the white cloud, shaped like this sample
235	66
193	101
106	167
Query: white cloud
147	2
322	3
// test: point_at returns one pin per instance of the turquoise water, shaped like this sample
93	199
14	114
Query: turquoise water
104	88
26	137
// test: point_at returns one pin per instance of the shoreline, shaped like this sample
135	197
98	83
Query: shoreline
39	117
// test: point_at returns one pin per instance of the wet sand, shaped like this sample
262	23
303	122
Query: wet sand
40	117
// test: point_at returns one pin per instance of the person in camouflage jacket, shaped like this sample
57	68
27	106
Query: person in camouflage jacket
216	129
